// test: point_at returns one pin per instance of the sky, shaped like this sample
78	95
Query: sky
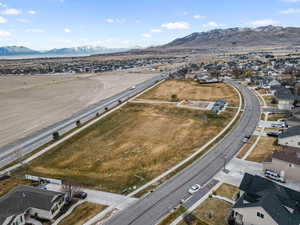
47	24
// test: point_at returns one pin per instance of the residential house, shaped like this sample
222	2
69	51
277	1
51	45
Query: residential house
26	201
285	162
290	137
264	202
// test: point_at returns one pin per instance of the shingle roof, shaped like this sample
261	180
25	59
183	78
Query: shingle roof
288	154
290	132
281	203
24	197
284	93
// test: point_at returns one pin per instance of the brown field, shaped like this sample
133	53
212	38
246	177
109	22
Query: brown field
211	212
82	213
275	117
227	190
192	91
30	103
130	146
263	149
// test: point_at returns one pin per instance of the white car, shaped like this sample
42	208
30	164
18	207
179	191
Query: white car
194	188
132	88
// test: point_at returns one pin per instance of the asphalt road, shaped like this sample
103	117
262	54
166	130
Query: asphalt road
43	136
150	209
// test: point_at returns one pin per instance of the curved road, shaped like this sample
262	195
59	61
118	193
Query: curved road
150	209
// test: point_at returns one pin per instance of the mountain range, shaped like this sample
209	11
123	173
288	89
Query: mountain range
218	38
21	50
239	37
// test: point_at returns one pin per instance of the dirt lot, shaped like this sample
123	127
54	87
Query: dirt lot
29	103
130	146
82	213
192	91
211	212
264	148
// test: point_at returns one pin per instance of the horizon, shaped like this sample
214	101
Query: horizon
66	23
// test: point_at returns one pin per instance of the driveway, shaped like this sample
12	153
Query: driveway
100	197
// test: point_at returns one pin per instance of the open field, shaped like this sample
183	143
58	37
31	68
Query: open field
263	149
130	146
29	103
211	212
192	91
82	213
9	184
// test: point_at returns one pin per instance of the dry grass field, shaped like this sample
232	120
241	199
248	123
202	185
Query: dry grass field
82	213
263	149
130	146
227	190
211	212
30	103
192	91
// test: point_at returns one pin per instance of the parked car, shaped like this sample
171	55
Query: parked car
194	188
80	194
246	139
132	88
273	134
276	125
274	176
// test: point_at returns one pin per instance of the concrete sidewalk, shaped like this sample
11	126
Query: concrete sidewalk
100	197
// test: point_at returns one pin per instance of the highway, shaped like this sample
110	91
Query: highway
11	152
150	209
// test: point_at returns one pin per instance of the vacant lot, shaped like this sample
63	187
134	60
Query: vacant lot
29	103
263	149
211	212
192	91
82	213
130	146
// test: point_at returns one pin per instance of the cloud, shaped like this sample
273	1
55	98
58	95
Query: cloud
146	35
156	30
111	20
176	25
22	20
34	30
264	22
3	5
11	11
3	20
199	17
213	24
67	30
32	12
4	33
290	11
291	1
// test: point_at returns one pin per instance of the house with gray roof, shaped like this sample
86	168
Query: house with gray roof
285	162
290	137
264	202
26	201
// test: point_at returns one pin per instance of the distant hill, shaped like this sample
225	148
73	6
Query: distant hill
16	50
239	37
85	50
21	50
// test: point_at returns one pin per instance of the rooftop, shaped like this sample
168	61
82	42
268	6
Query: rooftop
281	203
